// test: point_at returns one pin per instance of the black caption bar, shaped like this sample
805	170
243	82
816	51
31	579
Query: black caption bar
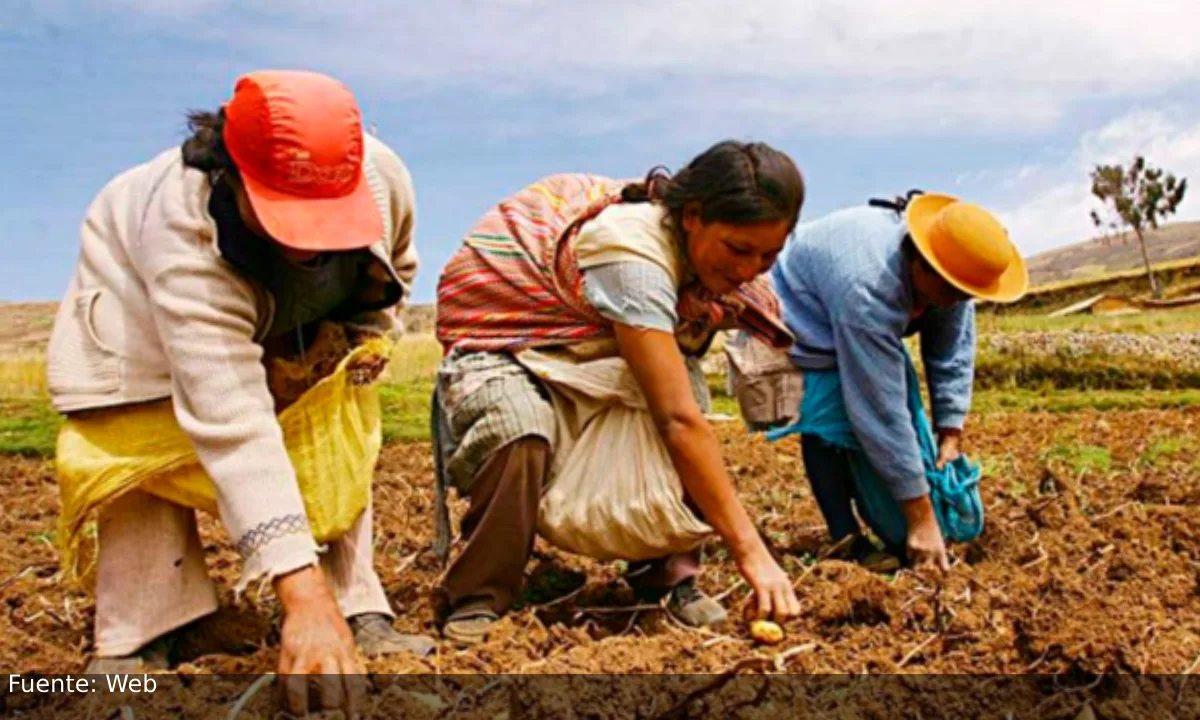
1003	697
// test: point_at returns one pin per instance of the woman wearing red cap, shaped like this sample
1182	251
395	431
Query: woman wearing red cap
626	281
276	214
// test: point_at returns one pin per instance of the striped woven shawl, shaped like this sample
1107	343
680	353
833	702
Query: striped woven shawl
515	284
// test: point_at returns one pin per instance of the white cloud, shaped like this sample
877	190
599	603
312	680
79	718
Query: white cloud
874	66
1047	206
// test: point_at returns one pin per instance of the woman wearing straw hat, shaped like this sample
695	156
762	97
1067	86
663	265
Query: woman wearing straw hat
853	285
276	214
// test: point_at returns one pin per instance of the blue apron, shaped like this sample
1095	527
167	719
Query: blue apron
954	490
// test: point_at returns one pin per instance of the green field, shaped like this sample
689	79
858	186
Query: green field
28	424
1006	383
1161	321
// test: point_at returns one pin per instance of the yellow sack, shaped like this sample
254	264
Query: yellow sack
612	492
333	434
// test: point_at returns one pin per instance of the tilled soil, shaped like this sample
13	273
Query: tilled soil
1089	565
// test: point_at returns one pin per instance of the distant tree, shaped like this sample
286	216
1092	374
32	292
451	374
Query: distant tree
1137	197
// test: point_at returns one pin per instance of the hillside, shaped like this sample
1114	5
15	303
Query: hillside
1099	257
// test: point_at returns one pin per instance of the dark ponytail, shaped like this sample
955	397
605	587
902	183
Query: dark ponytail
649	189
205	148
733	182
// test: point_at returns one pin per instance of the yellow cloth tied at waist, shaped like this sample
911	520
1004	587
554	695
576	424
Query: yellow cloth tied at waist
333	434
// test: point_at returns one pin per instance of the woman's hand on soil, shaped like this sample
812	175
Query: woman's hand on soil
774	596
317	641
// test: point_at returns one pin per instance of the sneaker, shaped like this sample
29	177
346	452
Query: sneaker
871	558
692	607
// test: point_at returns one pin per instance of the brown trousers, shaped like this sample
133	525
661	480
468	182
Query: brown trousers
500	526
151	577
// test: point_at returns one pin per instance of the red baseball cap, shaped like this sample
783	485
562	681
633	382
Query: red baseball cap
297	140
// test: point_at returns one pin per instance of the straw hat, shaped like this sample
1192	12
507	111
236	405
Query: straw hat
967	246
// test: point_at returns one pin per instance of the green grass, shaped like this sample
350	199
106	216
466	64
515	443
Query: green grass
1159	451
416	357
1079	458
725	405
406	410
1165	450
993	465
1091	370
1157	321
405	396
28	426
1086	371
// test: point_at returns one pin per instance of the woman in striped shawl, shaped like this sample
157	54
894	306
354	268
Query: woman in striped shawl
587	268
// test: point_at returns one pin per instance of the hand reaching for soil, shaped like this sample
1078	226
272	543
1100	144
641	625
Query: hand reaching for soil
926	546
774	596
317	641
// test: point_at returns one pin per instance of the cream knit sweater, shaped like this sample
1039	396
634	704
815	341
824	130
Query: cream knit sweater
154	312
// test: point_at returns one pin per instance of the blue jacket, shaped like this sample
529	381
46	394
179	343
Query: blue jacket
846	289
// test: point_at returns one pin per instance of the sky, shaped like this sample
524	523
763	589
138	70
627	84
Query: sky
1007	103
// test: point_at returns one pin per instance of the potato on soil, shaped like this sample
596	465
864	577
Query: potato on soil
766	632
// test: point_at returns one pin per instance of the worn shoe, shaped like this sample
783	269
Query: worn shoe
374	635
470	623
870	557
692	607
156	655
